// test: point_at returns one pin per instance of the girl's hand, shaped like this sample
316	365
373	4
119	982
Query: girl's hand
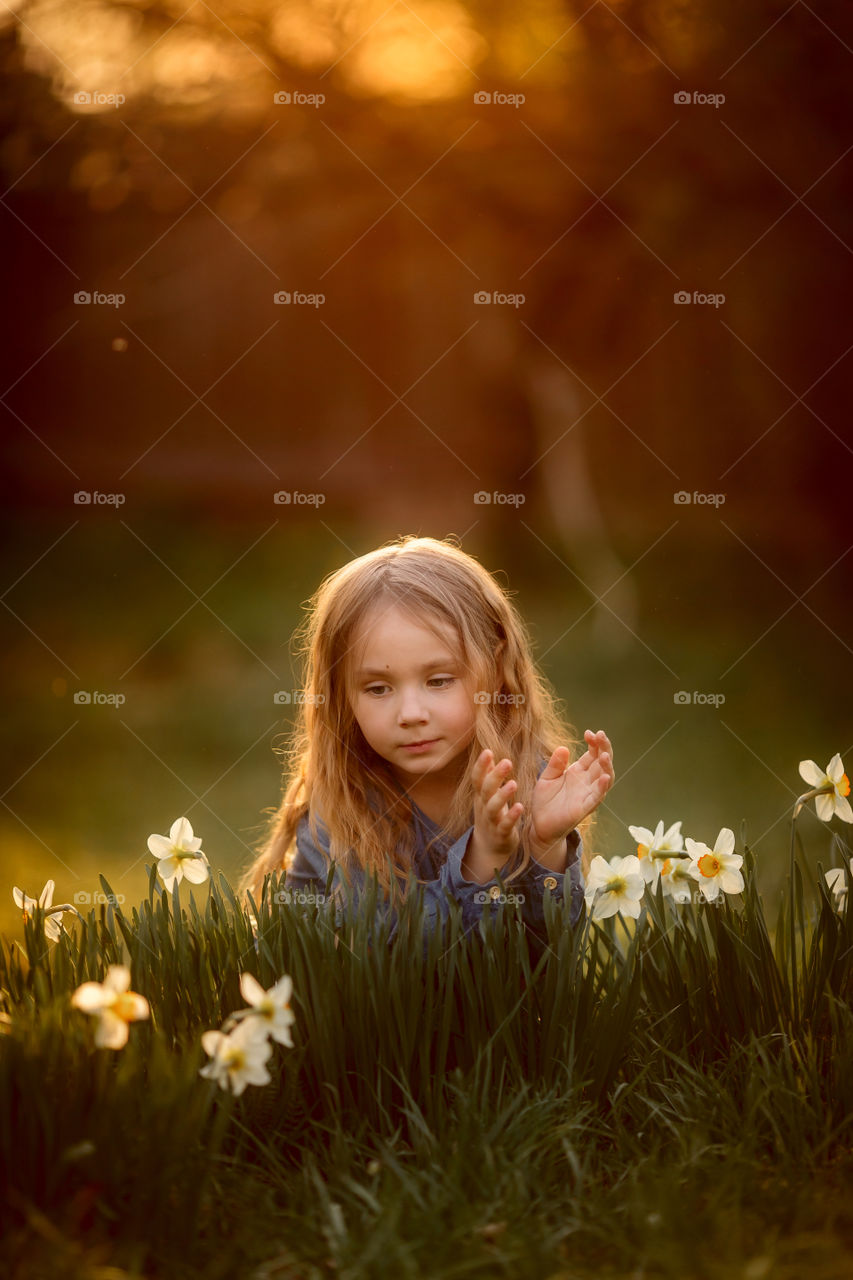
496	818
565	795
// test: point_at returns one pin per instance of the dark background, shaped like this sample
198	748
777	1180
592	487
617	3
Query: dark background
596	400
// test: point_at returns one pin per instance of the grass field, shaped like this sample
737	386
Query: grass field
665	1097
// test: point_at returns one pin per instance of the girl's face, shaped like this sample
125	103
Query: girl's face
411	688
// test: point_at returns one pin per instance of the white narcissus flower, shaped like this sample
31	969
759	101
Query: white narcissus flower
617	885
836	880
113	1004
53	915
237	1059
654	847
833	786
180	855
716	868
270	1008
676	881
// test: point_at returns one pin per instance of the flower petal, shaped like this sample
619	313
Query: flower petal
282	991
195	870
117	979
170	870
811	774
252	990
135	1008
607	905
835	769
160	846
843	810
89	997
211	1041
825	807
836	879
53	928
111	1032
731	880
179	832
725	841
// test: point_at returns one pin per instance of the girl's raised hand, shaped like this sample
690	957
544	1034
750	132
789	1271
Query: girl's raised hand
564	794
495	817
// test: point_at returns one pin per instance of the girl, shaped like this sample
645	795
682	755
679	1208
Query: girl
423	719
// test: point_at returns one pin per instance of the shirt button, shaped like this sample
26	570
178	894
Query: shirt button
494	892
550	882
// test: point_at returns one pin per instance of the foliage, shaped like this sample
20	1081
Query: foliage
452	1103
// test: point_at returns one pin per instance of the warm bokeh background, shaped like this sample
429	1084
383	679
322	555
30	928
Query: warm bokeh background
399	197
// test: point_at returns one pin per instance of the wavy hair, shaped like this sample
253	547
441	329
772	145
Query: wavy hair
330	770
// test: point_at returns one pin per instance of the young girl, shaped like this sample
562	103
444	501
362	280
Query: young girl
423	721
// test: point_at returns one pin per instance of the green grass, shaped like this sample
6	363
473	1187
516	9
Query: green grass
667	1099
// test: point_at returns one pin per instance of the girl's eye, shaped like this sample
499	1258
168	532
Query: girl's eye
441	682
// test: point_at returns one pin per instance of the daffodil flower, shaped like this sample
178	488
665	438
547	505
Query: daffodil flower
270	1008
617	885
653	848
830	790
237	1059
716	868
676	881
836	879
180	855
114	1005
53	915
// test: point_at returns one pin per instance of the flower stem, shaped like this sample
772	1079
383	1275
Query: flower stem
794	990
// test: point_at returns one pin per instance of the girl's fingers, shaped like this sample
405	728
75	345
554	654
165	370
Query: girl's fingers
495	805
495	778
511	817
479	771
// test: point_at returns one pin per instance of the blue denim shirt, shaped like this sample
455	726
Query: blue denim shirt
441	868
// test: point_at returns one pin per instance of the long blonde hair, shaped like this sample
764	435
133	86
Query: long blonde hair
329	768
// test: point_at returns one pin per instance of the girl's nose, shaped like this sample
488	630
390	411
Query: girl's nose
411	707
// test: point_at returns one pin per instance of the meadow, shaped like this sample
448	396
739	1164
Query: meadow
666	1095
